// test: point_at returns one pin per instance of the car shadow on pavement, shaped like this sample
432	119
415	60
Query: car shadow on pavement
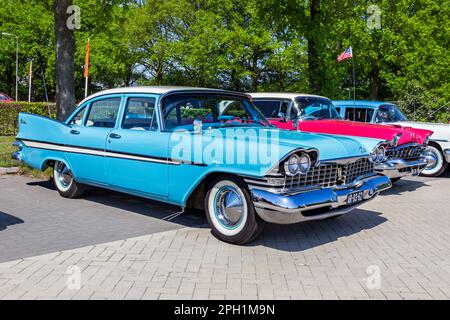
311	234
139	205
404	186
7	220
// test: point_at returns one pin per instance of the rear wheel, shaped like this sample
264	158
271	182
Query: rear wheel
437	164
230	211
64	181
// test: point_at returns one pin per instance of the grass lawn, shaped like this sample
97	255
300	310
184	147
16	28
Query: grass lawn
6	149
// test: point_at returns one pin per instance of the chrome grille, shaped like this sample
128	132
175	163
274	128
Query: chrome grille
325	175
353	170
405	152
331	174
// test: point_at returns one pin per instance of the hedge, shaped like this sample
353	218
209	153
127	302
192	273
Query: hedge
9	112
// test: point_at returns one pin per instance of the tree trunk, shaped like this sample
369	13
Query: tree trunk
374	75
255	73
65	51
313	56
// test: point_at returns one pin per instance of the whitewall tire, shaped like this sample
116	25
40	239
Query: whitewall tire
64	181
438	164
230	211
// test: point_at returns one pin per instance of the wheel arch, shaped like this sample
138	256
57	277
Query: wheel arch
195	200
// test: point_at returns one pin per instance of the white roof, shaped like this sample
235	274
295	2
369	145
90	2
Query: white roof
282	95
151	90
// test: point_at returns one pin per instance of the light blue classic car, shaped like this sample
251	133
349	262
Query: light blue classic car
202	148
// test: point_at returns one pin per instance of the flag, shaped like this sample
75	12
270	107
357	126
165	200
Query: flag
347	54
86	63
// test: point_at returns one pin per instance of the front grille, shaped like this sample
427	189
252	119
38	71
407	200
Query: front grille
325	175
405	152
331	174
353	170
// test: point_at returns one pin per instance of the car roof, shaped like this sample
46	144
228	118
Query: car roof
361	103
282	95
158	90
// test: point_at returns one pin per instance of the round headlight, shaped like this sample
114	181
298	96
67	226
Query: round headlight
291	166
381	153
373	155
304	164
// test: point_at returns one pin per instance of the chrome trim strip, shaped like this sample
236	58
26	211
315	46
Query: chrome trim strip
95	152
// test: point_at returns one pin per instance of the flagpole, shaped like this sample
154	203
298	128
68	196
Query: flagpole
86	87
86	68
354	81
30	80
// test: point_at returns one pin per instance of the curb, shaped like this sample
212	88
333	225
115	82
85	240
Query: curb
11	170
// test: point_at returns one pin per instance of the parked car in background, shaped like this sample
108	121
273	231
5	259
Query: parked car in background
5	98
404	155
388	113
136	140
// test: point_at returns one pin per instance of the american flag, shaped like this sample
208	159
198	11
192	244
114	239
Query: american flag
347	54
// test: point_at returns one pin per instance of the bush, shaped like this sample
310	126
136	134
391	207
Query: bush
9	112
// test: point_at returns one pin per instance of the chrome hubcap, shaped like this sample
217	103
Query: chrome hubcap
229	207
432	159
64	176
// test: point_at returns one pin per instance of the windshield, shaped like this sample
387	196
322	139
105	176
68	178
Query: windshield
210	110
312	108
389	113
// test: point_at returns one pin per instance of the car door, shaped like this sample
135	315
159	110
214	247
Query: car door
137	152
87	137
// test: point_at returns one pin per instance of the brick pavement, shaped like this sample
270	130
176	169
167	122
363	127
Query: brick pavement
403	234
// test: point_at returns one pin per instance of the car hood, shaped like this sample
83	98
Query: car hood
362	129
228	145
439	131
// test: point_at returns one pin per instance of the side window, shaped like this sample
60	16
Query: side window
78	118
139	114
269	108
359	114
103	113
284	107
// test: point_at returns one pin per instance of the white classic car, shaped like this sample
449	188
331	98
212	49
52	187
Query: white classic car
389	113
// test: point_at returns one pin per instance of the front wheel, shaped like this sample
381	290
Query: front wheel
437	164
230	211
64	181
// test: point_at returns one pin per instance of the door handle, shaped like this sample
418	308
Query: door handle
74	132
115	136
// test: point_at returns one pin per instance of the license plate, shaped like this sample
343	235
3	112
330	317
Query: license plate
355	197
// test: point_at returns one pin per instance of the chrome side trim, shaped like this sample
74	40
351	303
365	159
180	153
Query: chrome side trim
287	208
95	152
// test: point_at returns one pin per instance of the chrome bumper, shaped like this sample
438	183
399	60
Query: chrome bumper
447	154
397	168
325	203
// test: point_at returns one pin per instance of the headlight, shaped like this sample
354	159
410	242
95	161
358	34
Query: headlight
378	154
297	165
381	153
304	164
291	166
